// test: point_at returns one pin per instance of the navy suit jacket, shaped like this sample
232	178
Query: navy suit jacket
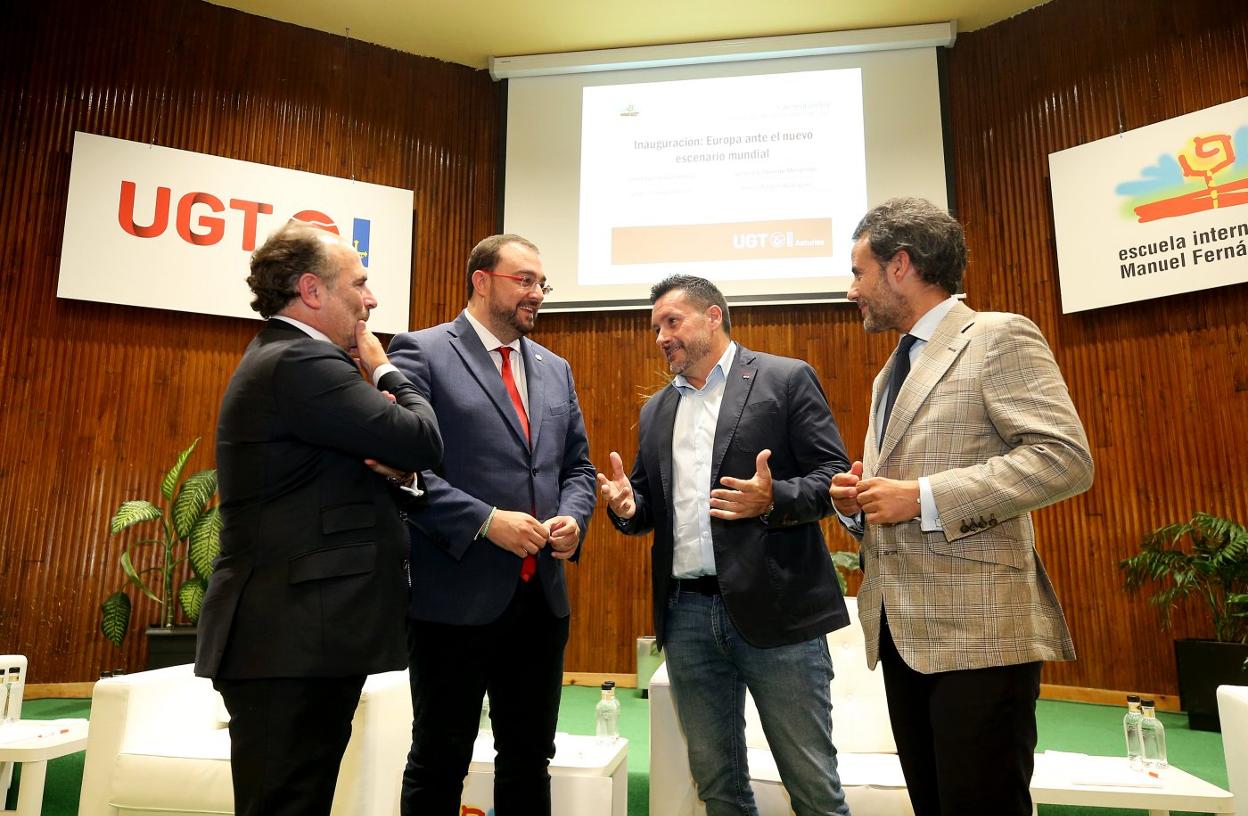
458	578
310	581
778	581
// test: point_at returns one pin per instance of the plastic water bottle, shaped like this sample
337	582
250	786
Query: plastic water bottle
607	714
1152	738
13	699
1131	730
484	725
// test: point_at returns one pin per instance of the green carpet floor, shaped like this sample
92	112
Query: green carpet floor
1090	729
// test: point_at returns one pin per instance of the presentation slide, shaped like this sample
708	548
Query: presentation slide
731	177
752	174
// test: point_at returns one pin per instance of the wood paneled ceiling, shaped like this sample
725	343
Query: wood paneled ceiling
473	31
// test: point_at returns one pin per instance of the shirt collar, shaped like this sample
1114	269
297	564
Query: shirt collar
315	334
719	372
488	339
925	326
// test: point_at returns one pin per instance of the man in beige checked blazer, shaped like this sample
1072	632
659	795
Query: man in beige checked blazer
971	429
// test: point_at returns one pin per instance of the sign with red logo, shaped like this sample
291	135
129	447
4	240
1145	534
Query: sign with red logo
1155	211
171	229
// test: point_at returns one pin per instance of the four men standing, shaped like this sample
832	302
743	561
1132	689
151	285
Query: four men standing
739	458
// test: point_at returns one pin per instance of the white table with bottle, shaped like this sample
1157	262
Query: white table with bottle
587	775
1063	778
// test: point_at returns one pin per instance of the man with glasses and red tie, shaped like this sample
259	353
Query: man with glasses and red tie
489	603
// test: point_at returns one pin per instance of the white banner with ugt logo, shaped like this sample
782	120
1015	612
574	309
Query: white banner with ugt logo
171	229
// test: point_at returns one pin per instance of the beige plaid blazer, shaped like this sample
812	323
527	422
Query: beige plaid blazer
985	415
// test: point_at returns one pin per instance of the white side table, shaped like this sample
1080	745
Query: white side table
1068	779
586	776
36	742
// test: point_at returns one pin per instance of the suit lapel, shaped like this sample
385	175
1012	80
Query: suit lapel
736	392
664	430
933	362
534	371
480	365
872	448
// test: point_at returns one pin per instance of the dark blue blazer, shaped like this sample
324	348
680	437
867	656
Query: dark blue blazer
777	579
456	577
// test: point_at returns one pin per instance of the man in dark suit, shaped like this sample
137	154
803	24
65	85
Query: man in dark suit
731	475
511	502
309	589
971	429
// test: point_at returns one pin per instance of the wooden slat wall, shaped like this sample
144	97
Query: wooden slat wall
1162	385
97	398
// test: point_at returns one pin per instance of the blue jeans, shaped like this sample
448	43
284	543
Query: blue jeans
711	666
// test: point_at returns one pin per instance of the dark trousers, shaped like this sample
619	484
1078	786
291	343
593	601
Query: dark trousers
518	659
287	737
966	739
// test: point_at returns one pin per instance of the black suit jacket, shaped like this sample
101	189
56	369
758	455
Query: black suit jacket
311	579
777	579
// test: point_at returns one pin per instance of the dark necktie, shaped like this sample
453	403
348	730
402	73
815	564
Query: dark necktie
529	566
901	370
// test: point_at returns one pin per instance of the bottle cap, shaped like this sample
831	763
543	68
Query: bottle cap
1148	703
1133	698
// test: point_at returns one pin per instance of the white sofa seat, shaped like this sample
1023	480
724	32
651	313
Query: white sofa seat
866	754
1233	713
159	745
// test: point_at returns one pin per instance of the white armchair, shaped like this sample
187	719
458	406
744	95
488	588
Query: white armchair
867	756
159	745
1233	712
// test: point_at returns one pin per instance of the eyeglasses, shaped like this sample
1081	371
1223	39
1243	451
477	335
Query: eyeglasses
525	281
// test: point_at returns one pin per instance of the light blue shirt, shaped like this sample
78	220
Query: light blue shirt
693	443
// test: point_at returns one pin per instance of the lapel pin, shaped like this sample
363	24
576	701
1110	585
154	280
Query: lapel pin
537	357
745	375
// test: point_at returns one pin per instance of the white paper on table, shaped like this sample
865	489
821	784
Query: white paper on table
1080	769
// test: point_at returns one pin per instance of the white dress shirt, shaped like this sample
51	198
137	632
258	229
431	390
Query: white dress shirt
492	343
693	442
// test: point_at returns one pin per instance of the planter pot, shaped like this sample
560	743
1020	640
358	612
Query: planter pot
1203	665
170	647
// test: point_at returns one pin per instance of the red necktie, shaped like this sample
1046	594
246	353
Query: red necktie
529	565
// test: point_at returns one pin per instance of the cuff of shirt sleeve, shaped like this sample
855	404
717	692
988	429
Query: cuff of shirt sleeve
381	371
851	522
929	515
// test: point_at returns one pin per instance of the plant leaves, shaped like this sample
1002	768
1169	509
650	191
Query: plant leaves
194	496
191	597
133	512
845	561
115	616
170	482
127	566
205	542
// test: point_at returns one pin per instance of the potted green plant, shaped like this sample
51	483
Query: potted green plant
1206	556
183	528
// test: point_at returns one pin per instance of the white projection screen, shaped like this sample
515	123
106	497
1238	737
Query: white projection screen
752	174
